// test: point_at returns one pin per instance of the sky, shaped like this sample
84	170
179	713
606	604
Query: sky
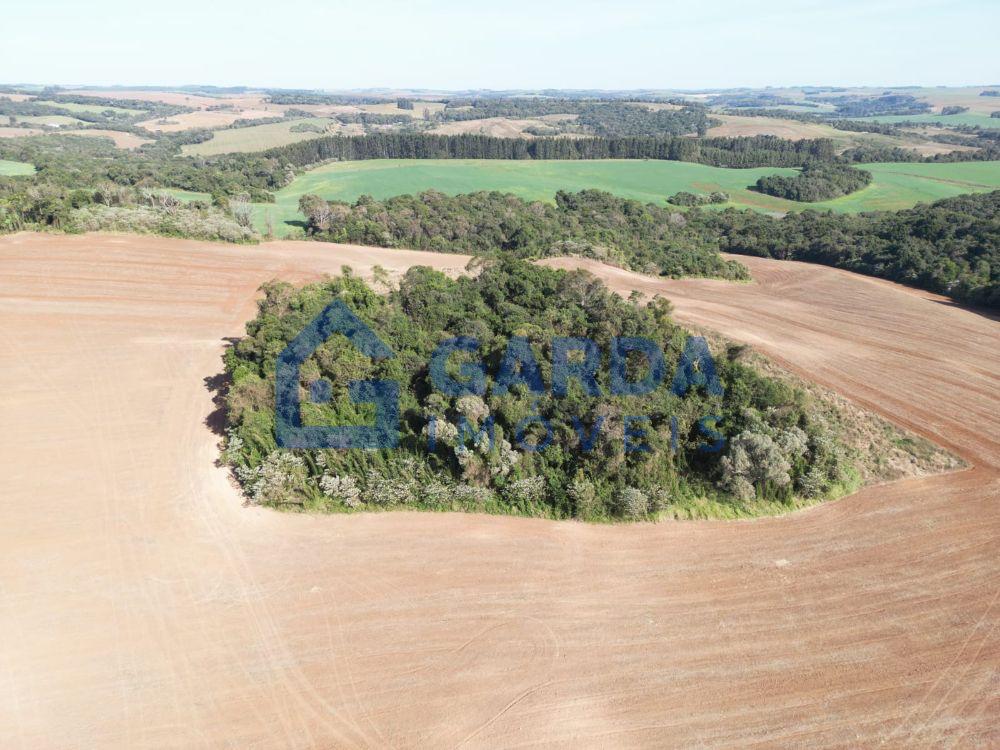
446	44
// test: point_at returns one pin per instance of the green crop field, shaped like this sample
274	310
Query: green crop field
186	195
95	108
15	168
967	118
895	185
902	185
255	137
50	120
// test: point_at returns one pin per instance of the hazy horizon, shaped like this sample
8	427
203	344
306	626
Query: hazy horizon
637	44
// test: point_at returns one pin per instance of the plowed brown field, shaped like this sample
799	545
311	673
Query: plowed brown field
142	607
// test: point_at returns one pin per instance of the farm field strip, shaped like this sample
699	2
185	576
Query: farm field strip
257	137
15	168
966	118
895	185
93	108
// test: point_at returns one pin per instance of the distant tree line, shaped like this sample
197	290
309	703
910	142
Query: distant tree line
753	151
613	118
372	118
887	104
951	247
311	97
31	108
754	100
591	223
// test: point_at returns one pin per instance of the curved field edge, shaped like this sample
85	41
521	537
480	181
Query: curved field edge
873	450
895	185
879	607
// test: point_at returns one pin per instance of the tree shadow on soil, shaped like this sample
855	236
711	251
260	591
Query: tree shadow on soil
218	386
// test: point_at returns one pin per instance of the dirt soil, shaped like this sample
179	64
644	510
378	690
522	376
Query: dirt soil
793	130
206	119
8	132
195	101
498	127
142	606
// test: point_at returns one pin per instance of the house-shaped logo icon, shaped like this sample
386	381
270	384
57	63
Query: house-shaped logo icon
289	430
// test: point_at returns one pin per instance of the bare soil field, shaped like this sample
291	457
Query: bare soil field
794	130
143	607
179	98
962	97
206	119
498	127
121	139
8	132
503	127
734	125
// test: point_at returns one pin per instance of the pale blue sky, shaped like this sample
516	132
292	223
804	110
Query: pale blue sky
502	44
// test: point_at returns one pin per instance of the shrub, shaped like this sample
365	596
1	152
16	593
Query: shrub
278	480
632	503
583	495
753	463
344	490
187	222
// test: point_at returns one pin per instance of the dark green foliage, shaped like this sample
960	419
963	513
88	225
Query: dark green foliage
312	97
307	127
754	100
591	223
369	118
608	118
48	106
508	298
953	110
887	104
865	126
951	247
819	182
76	161
684	198
742	152
624	119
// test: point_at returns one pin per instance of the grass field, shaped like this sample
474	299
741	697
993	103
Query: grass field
895	185
15	168
905	184
255	138
967	118
60	120
120	138
95	108
187	195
